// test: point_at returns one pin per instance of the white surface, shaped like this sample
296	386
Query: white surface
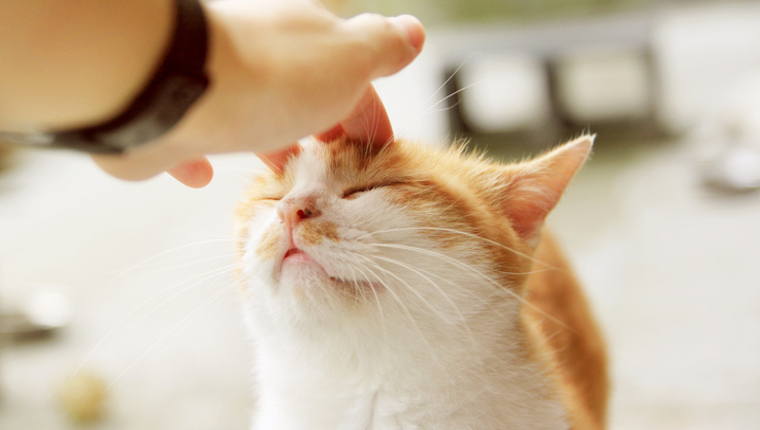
702	52
604	85
504	92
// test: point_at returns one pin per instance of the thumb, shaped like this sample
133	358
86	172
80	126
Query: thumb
397	40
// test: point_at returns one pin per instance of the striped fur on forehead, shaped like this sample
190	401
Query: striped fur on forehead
351	163
398	161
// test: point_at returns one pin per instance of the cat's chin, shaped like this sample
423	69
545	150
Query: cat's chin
296	257
299	264
302	271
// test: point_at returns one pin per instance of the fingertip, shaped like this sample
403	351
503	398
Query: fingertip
395	41
369	122
413	29
195	174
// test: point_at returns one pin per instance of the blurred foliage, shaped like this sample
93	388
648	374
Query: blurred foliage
433	12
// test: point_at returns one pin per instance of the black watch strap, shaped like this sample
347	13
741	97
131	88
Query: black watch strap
177	84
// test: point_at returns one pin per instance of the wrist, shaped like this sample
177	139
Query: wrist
67	63
237	64
174	86
150	31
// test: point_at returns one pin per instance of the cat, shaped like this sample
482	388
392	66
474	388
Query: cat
407	287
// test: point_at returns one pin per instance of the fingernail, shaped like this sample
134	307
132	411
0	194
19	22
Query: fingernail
413	28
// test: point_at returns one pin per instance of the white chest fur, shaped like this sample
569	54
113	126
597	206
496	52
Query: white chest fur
313	378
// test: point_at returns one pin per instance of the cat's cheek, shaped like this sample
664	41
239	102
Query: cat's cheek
257	279
258	271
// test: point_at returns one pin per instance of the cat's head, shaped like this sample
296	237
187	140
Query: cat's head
350	233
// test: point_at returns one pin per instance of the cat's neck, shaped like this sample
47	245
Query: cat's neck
366	378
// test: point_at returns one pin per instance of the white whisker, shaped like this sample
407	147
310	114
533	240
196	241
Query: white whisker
430	281
218	298
480	274
414	291
209	256
377	300
428	112
474	236
203	277
462	318
146	302
159	341
404	308
202	242
450	96
443	85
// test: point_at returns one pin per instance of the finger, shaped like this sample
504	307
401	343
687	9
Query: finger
369	122
331	134
129	166
397	41
195	173
415	32
276	161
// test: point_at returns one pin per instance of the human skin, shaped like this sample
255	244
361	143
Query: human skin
280	71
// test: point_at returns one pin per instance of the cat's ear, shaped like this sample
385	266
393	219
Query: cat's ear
530	190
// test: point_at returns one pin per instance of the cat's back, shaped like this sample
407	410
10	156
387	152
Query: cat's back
564	328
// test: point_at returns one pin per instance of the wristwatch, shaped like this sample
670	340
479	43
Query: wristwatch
176	85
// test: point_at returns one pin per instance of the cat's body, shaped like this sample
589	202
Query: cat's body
384	290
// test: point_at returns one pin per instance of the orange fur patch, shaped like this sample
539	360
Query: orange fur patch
313	231
564	331
270	242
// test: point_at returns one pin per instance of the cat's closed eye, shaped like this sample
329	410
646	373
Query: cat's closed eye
352	193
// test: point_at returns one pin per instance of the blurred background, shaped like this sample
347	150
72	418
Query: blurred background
122	293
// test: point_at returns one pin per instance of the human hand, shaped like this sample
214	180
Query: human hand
368	123
280	71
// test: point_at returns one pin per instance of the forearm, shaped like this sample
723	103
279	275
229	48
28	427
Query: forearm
68	63
279	71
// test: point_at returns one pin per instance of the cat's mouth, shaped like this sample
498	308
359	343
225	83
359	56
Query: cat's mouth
295	260
296	255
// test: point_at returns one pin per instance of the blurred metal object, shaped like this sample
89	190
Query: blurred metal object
42	313
5	155
586	74
83	399
737	170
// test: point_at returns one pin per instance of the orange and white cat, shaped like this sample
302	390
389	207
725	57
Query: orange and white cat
407	287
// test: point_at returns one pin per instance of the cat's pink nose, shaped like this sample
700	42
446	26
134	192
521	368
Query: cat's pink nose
293	210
